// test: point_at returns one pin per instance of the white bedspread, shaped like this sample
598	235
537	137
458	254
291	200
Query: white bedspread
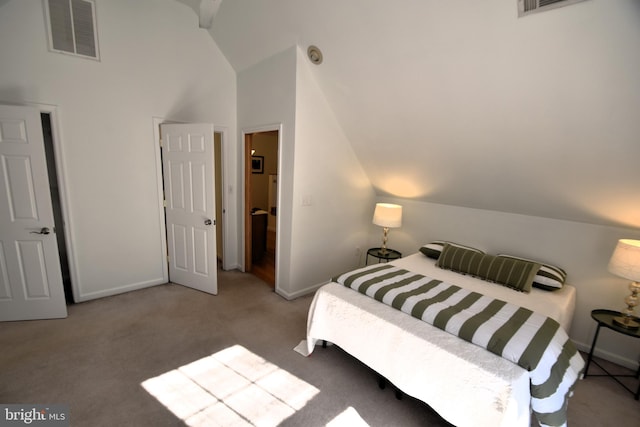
465	384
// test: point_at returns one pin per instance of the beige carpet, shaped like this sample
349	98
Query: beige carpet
172	356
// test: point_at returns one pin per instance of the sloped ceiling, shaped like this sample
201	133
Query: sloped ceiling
462	103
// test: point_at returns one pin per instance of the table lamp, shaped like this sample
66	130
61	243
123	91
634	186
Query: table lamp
387	216
625	262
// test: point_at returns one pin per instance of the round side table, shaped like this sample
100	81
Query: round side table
387	256
605	318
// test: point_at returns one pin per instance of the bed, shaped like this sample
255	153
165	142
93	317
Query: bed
466	384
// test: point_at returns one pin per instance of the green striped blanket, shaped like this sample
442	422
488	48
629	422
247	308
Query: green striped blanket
533	341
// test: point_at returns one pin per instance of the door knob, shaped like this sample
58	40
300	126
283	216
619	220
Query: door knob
43	230
207	222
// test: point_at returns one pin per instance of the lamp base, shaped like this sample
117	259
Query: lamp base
385	233
626	322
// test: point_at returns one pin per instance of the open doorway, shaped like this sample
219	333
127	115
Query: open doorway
261	204
56	204
220	211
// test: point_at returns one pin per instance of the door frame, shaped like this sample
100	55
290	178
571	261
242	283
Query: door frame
224	132
244	211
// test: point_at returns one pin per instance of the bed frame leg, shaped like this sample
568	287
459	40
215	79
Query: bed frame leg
382	382
324	343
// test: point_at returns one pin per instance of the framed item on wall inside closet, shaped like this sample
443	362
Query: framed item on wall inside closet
257	164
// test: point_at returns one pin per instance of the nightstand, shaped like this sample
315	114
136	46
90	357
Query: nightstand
389	255
605	318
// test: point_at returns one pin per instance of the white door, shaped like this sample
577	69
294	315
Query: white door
30	277
188	170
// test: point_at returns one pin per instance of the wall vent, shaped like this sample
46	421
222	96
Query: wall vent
527	7
72	27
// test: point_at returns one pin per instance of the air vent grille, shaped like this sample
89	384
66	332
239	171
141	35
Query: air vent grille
72	27
543	3
526	7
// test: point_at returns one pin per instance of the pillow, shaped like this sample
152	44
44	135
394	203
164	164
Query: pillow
513	273
549	277
433	249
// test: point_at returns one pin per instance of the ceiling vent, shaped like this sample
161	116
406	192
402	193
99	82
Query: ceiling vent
527	7
72	27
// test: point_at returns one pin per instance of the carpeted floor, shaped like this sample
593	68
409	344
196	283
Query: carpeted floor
169	355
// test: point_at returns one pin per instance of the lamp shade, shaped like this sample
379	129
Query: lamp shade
625	261
387	215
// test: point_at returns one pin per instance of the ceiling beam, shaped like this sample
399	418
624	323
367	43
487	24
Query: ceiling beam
208	10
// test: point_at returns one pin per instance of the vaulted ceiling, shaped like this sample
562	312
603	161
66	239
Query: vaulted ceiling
463	103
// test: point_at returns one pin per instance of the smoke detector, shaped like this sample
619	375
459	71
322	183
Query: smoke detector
314	55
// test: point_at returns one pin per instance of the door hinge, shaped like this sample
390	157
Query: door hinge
164	203
160	140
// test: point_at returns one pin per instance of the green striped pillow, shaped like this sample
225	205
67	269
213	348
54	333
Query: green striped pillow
548	277
434	249
513	273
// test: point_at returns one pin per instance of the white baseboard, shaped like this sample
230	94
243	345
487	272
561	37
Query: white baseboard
300	293
614	358
119	290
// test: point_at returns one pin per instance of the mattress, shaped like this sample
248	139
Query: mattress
465	384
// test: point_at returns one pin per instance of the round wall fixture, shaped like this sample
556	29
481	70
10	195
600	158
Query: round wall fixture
314	55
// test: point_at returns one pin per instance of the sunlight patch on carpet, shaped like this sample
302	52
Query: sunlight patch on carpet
231	387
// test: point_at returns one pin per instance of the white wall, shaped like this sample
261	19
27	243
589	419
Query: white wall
534	115
330	233
582	249
155	62
316	161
